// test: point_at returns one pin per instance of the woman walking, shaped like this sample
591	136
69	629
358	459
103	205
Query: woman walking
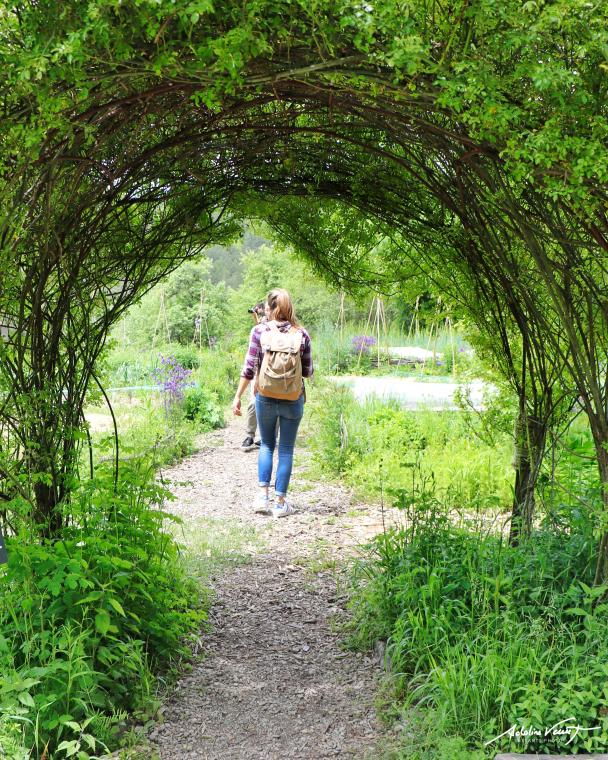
279	357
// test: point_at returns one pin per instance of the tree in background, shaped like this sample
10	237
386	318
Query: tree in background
186	308
274	266
227	265
197	309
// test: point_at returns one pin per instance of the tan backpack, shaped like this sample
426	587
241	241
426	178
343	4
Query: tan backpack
280	374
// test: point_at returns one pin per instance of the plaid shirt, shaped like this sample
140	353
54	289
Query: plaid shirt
253	359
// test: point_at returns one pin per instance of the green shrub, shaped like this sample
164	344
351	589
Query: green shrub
125	367
203	407
86	620
571	492
340	429
187	356
11	733
219	372
147	430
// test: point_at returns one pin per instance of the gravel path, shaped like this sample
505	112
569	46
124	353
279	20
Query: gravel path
274	682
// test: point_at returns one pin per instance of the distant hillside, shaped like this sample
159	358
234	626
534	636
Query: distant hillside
227	260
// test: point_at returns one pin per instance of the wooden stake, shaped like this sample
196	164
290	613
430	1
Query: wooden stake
451	331
162	319
367	324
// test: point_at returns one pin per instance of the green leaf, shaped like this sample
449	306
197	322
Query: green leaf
94	596
102	622
117	606
90	740
70	747
26	699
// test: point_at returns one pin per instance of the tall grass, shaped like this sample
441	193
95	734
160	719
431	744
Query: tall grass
487	636
479	636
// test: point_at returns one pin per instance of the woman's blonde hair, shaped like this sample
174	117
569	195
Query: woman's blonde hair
281	307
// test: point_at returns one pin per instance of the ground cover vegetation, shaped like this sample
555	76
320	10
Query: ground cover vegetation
482	636
465	144
478	635
90	622
387	452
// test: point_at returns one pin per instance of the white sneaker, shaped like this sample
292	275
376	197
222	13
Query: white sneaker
261	505
282	510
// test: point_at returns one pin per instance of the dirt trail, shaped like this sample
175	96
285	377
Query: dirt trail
274	682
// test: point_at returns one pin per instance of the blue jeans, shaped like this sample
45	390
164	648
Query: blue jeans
289	414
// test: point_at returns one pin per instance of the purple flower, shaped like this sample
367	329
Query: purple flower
171	378
361	344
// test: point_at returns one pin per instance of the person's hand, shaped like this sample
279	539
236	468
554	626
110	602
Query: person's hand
236	406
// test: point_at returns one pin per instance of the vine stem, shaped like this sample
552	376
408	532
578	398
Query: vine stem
116	444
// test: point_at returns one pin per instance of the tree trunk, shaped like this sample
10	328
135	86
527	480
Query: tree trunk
47	511
53	460
530	438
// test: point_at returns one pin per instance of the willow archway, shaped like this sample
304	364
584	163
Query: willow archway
133	133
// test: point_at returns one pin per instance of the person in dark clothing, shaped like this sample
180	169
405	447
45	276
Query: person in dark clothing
251	421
